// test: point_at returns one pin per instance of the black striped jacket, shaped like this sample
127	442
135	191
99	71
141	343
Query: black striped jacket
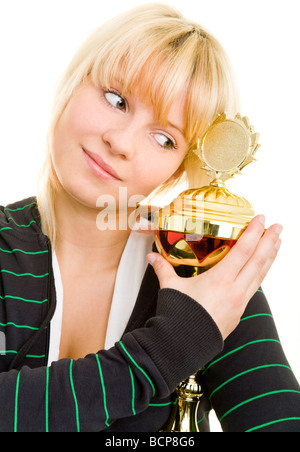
247	379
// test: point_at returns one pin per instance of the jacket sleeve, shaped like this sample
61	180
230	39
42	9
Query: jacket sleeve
91	393
250	384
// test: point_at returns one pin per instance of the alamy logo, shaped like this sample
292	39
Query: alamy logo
2	343
123	212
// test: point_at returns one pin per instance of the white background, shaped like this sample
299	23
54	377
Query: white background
261	37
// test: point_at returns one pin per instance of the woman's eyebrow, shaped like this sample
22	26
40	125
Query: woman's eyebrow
176	127
121	83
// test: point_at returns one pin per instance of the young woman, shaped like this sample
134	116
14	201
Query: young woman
94	337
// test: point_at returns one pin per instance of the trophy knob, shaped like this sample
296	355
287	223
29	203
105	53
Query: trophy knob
183	417
190	389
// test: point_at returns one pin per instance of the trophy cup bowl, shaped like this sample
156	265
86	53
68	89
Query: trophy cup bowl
201	226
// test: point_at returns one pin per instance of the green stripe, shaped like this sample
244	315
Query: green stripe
272	423
5	229
138	367
24	274
19	326
36	356
238	349
22	225
74	396
8	352
14	352
247	372
162	404
282	391
133	390
47	401
16	403
256	315
103	390
20	208
24	252
23	299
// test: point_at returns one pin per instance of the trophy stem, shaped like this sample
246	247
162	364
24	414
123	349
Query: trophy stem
218	183
183	417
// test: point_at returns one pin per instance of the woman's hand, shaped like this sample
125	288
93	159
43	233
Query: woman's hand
225	290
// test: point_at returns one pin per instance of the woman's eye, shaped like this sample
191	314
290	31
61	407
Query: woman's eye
164	141
115	100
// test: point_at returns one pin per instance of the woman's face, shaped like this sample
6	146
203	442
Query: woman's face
103	142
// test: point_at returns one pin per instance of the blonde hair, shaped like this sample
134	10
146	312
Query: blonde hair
158	52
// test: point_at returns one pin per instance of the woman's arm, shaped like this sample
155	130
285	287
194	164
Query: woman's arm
250	384
91	393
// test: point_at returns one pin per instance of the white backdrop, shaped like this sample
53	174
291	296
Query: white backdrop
261	37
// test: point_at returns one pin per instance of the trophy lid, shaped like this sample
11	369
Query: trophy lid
227	147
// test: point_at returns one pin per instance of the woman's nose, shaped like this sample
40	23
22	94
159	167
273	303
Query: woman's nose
121	140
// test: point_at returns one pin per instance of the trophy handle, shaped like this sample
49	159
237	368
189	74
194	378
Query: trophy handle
183	417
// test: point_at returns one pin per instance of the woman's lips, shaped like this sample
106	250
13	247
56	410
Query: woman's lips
99	167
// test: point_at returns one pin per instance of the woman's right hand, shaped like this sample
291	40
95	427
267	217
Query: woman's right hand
225	290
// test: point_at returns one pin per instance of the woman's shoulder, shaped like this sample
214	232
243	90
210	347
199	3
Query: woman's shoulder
23	206
19	211
21	219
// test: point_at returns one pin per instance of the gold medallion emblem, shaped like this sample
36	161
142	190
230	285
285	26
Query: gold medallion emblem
227	147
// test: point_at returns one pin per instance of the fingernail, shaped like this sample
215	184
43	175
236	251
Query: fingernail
150	258
262	219
278	244
279	228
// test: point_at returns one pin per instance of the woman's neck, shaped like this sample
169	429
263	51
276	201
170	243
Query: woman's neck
79	238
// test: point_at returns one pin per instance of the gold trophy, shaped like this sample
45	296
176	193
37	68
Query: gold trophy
201	226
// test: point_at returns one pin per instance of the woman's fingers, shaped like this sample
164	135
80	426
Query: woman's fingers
163	269
257	267
237	258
